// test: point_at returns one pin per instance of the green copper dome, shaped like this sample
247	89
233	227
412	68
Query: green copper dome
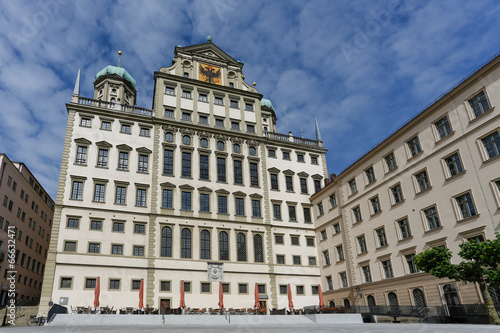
118	71
266	102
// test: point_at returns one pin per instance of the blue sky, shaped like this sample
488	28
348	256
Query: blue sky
362	67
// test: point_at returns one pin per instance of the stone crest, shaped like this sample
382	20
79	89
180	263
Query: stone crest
215	271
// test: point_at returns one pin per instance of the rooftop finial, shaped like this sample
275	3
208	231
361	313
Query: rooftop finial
209	39
119	56
302	133
318	134
76	91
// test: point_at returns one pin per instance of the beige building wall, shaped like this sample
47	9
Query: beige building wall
26	217
92	228
458	200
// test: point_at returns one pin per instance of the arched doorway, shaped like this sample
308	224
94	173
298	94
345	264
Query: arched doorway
418	297
332	304
371	300
393	301
347	303
452	300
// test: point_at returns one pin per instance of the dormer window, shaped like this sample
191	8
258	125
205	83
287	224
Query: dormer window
231	85
113	100
113	91
186	74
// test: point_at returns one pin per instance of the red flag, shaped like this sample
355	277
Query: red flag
321	302
221	296
183	303
257	303
290	303
141	294
97	292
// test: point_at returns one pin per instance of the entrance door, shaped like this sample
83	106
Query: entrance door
263	307
165	306
455	307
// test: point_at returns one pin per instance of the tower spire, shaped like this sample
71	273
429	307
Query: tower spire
119	56
318	134
76	91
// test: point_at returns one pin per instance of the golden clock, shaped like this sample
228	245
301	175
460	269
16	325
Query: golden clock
210	74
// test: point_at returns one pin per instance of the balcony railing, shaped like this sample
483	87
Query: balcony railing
115	106
290	138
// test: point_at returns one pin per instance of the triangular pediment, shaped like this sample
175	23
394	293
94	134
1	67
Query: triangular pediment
186	187
103	144
83	141
143	150
204	189
209	51
124	147
167	184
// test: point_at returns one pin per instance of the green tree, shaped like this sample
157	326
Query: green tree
481	264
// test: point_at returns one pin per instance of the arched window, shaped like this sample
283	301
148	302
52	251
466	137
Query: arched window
220	145
241	243
166	242
169	137
236	148
205	244
451	295
393	300
223	246
418	297
203	143
347	303
186	243
258	250
332	304
186	139
252	151
370	300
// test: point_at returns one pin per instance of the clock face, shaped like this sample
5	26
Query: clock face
210	74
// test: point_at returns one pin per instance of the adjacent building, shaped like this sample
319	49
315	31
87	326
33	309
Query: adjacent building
198	190
25	223
434	182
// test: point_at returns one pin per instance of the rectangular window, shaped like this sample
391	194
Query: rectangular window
221	169
85	122
165	285
219	122
186	201
202	97
404	228
144	131
65	282
94	247
321	210
203	119
303	185
352	186
90	283
362	244
382	239
386	266
432	218
136	284
336	228
168	162
125	128
312	261
114	284
139	228
222	204
95	225
367	274
167	199
294	240
323	235
138	250
233	104
169	113
397	194
238	172
72	223
317	185
186	94
120	195
250	128
307	215
141	197
117	249
410	261
280	259
340	253
186	165
239	206
169	90
300	158
370	175
81	155
492	144
357	214
143	163
443	127
292	214
76	190
123	161
286	155
242	288
248	107
235	125
422	181
414	146
289	183
278	239
390	161
271	153
343	280
466	206
218	101
309	241
274	181
375	205
102	158
254	175
300	290
326	258
204	173
479	104
186	116
68	247
296	260
277	211
204	202
256	208
454	164
99	192
333	201
118	226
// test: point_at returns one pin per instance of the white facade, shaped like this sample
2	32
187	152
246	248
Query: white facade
153	194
